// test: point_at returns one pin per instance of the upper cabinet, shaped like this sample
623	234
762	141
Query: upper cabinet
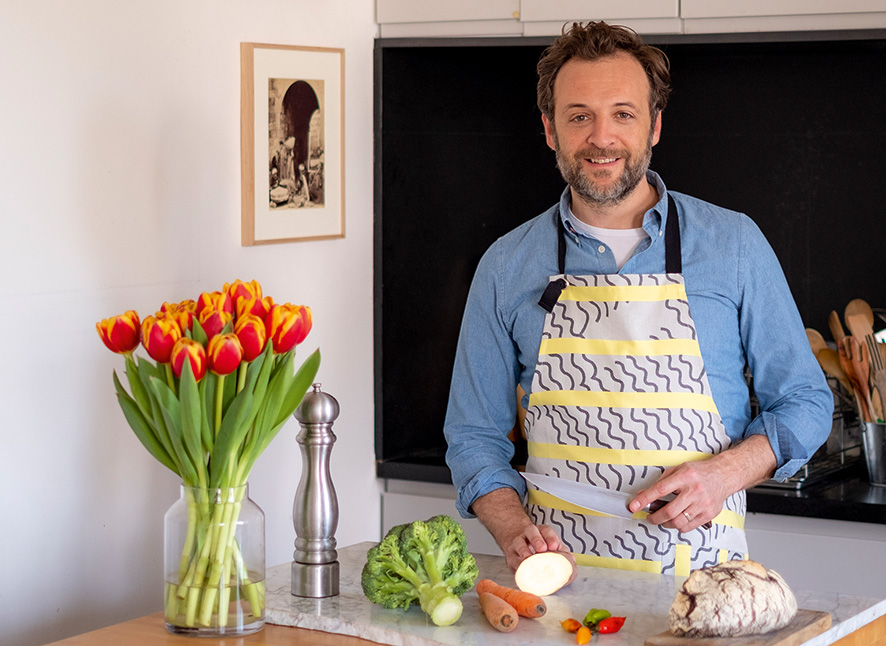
415	18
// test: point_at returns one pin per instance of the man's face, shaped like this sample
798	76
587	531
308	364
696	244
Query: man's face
602	132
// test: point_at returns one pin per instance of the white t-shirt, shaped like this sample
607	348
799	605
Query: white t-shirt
622	242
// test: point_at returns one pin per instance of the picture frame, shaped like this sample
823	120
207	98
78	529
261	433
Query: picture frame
291	143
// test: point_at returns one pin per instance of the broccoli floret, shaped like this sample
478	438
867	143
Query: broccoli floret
425	562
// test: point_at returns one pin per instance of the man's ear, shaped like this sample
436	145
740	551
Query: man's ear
550	136
656	129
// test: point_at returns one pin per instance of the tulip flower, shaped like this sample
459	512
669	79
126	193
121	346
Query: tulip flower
258	306
238	289
180	312
250	330
224	353
158	335
288	325
214	321
215	301
120	333
190	350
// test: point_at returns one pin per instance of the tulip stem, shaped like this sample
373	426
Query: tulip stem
241	376
219	397
170	378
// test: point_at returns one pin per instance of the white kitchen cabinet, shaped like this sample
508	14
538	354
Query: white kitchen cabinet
415	18
811	553
451	10
563	10
730	8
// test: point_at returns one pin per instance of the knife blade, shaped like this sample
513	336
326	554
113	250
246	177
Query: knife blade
592	497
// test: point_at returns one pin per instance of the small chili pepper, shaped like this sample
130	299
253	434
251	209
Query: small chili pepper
571	625
595	616
583	635
610	625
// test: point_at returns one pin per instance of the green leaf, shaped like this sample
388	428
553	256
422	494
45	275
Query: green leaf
198	333
171	411
300	384
191	418
207	396
137	387
142	428
230	435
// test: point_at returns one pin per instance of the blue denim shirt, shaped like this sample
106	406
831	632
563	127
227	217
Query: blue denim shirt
738	297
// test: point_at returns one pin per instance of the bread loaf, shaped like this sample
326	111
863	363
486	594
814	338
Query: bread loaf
732	599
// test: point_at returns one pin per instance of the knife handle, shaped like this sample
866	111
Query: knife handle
655	505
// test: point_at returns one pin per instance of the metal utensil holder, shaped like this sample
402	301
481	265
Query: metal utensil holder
315	567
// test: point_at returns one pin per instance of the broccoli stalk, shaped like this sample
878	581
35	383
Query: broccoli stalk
425	563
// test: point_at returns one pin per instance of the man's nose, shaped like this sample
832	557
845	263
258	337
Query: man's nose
601	133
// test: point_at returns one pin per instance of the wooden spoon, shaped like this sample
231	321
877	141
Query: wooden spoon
859	376
829	360
860	320
842	349
816	340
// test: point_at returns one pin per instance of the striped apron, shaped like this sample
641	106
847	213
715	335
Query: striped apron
619	394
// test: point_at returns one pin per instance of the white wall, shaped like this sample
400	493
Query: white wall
120	188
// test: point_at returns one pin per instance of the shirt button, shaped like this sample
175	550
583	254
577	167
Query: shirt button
660	232
601	249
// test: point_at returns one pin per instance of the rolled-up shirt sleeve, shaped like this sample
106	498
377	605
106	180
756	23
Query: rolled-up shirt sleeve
482	400
796	404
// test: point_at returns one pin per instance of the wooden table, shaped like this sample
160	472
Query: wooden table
151	631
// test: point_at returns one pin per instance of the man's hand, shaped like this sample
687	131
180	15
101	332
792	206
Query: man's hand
502	513
702	487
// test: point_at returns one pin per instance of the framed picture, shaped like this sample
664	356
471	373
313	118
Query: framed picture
291	143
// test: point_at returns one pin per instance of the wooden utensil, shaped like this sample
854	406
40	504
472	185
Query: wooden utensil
829	360
837	332
816	340
860	321
859	376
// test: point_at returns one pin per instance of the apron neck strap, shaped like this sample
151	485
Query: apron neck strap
673	255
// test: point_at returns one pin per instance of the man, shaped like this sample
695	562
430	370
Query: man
628	313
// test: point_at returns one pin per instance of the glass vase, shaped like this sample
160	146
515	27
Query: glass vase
214	563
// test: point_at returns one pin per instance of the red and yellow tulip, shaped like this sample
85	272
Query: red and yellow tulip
225	353
288	325
214	321
120	333
186	349
159	335
258	306
238	289
215	301
251	332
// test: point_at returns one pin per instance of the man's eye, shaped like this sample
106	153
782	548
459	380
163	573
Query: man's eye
580	117
624	115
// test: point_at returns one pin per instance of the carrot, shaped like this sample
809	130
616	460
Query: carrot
583	636
525	603
499	612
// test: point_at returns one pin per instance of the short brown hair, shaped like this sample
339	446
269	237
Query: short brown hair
596	40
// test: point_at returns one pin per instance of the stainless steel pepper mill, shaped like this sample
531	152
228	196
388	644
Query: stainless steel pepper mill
315	569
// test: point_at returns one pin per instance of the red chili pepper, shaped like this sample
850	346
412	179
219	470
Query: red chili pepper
611	625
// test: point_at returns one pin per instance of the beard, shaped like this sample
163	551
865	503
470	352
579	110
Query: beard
572	170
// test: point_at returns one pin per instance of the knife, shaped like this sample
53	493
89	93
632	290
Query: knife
588	496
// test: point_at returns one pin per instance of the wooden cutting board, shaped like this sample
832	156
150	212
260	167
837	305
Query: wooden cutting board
806	625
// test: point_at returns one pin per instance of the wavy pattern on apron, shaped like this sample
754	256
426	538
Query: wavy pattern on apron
630	351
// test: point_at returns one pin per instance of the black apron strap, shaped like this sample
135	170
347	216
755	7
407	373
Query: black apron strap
673	254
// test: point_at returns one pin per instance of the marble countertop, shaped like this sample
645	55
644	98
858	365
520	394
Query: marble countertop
643	598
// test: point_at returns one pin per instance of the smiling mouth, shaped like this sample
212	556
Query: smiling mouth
602	160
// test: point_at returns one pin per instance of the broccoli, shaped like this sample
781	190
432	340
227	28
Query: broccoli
424	562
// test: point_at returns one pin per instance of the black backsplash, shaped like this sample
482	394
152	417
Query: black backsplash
791	132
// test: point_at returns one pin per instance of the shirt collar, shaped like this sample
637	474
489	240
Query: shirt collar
653	221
